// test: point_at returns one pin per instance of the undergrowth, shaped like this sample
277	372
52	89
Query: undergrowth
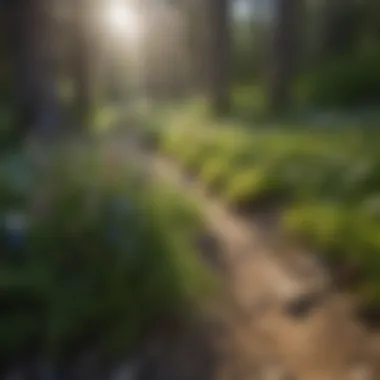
328	181
91	254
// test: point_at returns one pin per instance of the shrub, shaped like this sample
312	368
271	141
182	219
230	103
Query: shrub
102	261
344	236
215	172
329	180
346	81
151	136
251	187
320	225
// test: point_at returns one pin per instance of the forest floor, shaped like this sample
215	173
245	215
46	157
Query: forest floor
281	316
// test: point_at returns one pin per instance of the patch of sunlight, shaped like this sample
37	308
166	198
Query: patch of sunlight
105	119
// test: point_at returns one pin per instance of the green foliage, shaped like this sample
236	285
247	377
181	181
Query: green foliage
321	225
343	234
252	187
103	255
249	101
104	119
328	182
215	172
151	136
8	118
349	80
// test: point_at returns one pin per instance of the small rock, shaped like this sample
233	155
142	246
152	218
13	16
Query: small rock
210	251
302	306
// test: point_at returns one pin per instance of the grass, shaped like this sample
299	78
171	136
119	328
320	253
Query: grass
328	181
102	256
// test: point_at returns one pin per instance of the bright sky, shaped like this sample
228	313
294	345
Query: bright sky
241	8
261	8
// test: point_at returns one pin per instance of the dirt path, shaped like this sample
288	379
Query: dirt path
290	323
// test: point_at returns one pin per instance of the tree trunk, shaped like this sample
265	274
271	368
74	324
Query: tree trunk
286	50
330	27
36	91
344	22
86	59
219	59
81	65
196	29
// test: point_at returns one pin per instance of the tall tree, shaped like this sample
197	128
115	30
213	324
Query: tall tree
341	26
82	62
286	50
219	55
36	90
196	40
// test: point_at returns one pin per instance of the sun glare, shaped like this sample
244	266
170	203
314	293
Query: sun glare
122	18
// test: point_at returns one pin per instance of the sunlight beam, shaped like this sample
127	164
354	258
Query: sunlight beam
122	19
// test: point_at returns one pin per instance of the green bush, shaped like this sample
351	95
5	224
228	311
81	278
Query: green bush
151	136
320	225
327	181
344	82
103	259
215	172
250	187
343	235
